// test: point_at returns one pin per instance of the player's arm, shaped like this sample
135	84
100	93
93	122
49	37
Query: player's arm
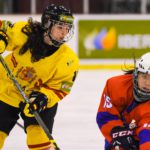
60	86
11	35
144	134
108	116
110	121
50	93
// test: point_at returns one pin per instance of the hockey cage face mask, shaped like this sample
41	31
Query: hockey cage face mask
64	31
62	18
139	94
143	66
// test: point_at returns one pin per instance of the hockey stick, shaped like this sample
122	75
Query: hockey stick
18	86
20	125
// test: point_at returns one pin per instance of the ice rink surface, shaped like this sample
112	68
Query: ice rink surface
75	125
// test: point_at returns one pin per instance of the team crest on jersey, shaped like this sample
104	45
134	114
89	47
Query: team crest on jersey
107	103
27	74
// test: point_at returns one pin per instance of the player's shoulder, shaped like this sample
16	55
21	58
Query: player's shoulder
121	77
66	54
120	86
16	36
19	24
17	27
67	51
124	78
66	47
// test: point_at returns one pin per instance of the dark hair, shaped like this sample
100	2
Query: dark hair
35	43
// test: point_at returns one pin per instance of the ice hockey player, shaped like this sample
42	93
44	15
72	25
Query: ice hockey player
124	115
44	66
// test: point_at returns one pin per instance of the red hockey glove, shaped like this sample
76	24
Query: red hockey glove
123	137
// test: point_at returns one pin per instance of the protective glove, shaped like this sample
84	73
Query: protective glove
123	137
38	102
3	41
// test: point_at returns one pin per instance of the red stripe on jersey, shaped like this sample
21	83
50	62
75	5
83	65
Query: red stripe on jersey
14	61
39	145
59	93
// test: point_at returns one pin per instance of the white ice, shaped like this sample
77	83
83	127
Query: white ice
75	125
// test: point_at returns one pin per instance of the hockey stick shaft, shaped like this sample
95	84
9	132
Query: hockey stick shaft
18	86
20	125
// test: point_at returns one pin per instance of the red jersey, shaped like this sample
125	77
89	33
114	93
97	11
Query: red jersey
118	106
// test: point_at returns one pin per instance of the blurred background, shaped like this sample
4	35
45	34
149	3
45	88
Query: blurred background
105	29
78	7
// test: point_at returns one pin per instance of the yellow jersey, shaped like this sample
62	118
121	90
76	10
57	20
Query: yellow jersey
53	75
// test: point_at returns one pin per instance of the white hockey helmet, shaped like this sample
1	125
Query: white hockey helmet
142	65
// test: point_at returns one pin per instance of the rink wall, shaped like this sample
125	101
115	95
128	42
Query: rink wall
94	58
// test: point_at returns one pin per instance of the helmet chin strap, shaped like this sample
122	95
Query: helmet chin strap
53	41
47	39
139	97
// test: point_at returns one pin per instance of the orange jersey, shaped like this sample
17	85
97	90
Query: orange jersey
118	107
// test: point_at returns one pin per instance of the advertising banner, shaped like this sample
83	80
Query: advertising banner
113	38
